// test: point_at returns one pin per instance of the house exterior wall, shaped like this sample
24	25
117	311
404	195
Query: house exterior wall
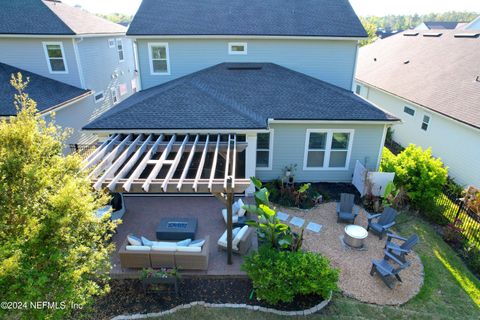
101	67
329	60
455	143
28	54
289	148
474	25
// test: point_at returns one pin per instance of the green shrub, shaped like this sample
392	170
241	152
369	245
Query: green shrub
280	276
471	254
422	175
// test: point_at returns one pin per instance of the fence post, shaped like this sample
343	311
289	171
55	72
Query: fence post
460	207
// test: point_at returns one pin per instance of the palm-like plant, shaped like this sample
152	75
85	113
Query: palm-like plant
269	228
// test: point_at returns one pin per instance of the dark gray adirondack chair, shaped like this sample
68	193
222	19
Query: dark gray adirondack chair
346	209
400	251
386	270
381	222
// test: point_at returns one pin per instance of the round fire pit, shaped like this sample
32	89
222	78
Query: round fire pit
354	235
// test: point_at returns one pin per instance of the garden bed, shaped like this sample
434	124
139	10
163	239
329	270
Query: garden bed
127	297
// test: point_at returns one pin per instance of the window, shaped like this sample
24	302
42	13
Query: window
358	89
425	123
115	97
409	111
159	59
55	57
111	43
264	150
327	149
100	96
237	48
123	89
120	50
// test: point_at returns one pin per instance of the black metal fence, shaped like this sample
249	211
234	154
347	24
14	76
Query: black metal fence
83	149
454	209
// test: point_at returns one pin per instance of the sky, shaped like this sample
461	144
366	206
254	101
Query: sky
362	7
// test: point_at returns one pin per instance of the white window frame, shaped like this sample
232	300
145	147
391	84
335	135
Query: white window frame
99	100
427	123
150	57
328	149
115	93
45	50
270	152
231	44
111	43
119	40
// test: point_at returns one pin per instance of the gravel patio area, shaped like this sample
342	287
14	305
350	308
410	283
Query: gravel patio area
355	280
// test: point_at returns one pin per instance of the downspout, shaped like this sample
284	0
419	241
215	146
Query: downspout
75	42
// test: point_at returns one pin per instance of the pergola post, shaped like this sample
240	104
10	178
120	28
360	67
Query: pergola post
229	226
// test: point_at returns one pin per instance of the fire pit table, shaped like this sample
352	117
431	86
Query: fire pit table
176	228
354	235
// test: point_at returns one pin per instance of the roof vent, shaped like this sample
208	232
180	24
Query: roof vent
467	35
410	34
478	79
375	59
406	62
432	34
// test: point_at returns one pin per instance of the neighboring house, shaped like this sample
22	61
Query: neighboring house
440	25
276	73
385	33
431	81
52	40
474	25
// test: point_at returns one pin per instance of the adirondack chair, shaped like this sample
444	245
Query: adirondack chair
381	222
400	251
346	209
386	270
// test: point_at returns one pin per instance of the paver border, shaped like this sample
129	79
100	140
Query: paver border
305	312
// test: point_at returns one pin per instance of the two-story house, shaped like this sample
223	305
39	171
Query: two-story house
431	80
278	74
79	65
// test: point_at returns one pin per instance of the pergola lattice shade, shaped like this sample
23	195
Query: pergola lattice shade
169	163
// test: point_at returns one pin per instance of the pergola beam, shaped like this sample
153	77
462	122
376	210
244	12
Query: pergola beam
214	164
159	164
107	161
100	152
130	164
201	165
174	165
188	163
138	171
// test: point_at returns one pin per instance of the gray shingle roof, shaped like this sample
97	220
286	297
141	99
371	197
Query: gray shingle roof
441	74
237	96
37	17
46	92
329	18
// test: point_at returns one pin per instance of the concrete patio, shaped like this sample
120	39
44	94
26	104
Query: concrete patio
144	213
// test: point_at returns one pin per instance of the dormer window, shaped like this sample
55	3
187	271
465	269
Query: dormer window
237	48
55	57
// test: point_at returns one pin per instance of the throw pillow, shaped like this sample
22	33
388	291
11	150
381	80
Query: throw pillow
239	236
134	241
184	243
197	243
241	211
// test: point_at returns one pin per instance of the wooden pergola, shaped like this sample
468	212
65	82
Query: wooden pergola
171	163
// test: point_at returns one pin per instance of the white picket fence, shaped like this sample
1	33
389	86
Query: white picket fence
379	180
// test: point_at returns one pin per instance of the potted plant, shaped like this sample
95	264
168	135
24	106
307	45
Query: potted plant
164	276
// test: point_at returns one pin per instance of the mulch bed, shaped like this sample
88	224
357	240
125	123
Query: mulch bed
127	297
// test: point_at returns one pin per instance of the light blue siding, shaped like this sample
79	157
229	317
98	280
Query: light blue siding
101	67
329	60
289	148
28	54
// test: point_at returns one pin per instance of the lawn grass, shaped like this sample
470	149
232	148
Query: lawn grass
450	290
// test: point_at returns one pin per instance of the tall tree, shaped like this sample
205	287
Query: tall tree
52	247
371	31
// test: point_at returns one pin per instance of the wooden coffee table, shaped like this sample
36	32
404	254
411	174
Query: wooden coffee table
176	228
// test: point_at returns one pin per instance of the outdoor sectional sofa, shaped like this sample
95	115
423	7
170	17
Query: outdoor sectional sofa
165	258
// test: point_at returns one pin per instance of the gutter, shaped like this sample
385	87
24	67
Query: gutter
311	121
243	37
66	103
43	36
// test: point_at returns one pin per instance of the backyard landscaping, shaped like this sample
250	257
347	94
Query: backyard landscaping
450	290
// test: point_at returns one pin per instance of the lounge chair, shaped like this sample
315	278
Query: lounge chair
346	209
381	222
237	211
241	242
386	270
400	251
